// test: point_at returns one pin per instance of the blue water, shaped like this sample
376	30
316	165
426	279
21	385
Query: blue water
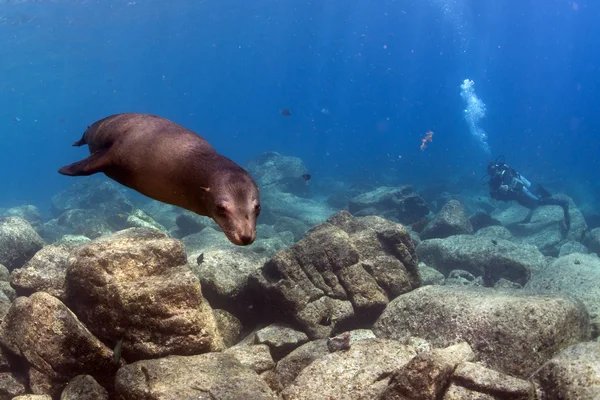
386	72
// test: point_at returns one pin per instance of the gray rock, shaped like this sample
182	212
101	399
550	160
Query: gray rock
105	196
451	220
45	272
592	240
359	373
489	258
190	223
476	378
257	357
135	285
572	247
546	228
18	242
139	219
4	273
224	276
495	231
272	167
430	276
298	228
425	376
529	329
229	326
33	397
400	204
281	339
29	213
84	387
574	373
278	204
575	274
88	223
11	385
344	271
290	366
44	331
214	376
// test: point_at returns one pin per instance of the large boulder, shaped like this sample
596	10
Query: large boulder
592	240
134	286
451	220
224	276
273	168
401	204
58	346
545	229
215	376
344	272
511	331
45	272
363	372
18	242
574	373
575	274
104	196
490	258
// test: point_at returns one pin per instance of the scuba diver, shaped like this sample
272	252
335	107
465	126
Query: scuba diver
507	184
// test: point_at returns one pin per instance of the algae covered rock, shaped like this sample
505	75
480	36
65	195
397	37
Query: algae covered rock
44	272
490	258
401	204
135	286
18	242
362	372
343	272
58	346
451	220
510	331
211	376
575	274
574	373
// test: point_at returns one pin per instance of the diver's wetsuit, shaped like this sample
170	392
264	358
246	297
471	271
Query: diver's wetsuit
507	184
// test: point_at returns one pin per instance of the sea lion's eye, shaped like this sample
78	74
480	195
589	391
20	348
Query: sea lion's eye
257	209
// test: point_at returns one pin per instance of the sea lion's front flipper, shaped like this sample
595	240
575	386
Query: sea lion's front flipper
96	162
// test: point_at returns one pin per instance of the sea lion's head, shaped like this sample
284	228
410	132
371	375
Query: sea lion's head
235	206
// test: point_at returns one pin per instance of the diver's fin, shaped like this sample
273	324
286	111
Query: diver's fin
96	162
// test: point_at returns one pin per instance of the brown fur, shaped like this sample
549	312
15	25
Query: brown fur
174	165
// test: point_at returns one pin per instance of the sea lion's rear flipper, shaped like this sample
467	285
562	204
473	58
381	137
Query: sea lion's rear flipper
96	162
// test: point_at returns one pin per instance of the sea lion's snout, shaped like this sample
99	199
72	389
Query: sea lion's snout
237	216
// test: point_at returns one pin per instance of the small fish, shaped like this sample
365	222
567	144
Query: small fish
200	259
285	112
306	177
117	351
325	321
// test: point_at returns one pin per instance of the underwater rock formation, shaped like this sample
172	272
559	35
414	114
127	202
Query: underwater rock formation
206	376
400	204
357	374
274	171
343	272
135	286
450	220
575	274
58	346
574	373
512	331
18	242
492	259
45	272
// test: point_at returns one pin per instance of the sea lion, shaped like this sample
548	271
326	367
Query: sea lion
174	165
